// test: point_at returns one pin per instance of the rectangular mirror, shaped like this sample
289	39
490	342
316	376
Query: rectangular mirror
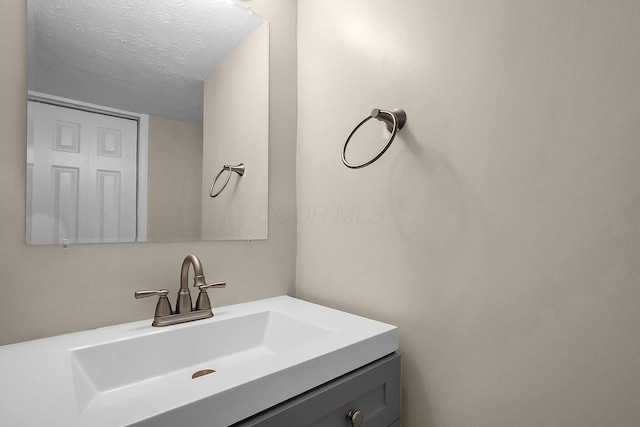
134	108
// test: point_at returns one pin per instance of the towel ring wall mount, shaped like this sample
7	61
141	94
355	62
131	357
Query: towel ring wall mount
394	121
239	169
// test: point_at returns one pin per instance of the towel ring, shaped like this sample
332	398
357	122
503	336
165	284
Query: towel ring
239	169
394	120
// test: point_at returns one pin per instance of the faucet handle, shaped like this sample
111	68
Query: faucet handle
144	294
212	285
163	308
203	302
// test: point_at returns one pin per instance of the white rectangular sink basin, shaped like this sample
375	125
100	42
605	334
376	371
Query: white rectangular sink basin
255	355
122	369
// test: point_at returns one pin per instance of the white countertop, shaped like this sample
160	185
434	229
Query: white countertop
41	386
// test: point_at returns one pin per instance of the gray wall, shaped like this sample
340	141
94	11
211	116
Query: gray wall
501	231
48	290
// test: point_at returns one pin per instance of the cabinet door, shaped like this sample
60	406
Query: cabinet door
373	390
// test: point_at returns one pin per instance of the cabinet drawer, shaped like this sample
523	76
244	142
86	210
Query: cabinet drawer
373	390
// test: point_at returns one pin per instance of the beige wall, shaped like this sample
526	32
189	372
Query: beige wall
49	290
174	193
501	231
236	92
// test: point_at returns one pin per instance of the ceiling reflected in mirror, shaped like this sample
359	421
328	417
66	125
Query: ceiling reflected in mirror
150	57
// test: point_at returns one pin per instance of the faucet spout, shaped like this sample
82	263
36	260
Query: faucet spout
197	270
184	304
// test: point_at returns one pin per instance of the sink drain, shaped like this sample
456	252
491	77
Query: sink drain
201	373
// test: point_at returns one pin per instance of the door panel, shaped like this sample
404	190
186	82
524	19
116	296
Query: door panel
83	176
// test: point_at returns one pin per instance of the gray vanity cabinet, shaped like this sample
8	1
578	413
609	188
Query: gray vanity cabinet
374	390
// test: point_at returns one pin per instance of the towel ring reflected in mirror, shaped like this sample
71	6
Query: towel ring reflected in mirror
239	169
394	120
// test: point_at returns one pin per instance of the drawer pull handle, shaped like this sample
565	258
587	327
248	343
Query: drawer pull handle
356	417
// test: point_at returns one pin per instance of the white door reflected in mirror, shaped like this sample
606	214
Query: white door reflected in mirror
81	184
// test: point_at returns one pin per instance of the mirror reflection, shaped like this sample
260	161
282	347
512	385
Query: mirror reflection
115	145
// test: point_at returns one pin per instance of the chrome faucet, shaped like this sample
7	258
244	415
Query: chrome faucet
185	312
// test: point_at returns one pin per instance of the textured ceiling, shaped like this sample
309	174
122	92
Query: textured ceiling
129	52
